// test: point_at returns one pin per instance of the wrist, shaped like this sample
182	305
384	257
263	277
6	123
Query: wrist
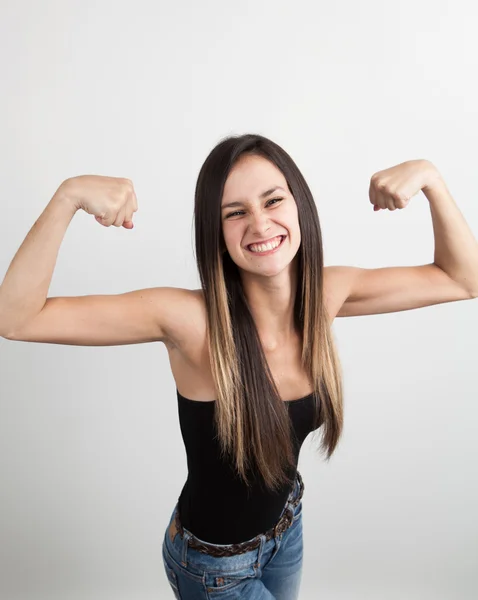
65	195
433	178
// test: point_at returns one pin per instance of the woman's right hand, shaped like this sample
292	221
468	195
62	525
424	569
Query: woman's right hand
111	200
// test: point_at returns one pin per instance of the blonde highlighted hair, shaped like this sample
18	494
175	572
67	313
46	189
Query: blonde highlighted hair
252	422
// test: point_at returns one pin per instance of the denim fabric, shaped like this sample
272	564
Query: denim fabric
271	571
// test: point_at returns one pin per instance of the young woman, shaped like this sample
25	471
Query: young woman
251	352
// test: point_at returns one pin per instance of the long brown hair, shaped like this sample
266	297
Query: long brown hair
252	421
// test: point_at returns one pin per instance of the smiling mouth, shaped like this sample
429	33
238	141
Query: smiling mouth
266	251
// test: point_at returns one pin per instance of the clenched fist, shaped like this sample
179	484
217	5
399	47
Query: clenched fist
111	200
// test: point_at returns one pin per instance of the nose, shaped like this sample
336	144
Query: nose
259	225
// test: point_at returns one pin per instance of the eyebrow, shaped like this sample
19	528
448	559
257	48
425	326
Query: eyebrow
263	195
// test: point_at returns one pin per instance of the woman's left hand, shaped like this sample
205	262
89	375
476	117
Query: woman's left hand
394	188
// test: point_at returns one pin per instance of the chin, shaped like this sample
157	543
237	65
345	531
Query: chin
265	270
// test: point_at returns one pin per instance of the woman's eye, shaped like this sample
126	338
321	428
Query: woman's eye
241	211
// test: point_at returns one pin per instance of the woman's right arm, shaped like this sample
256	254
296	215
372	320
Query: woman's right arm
27	314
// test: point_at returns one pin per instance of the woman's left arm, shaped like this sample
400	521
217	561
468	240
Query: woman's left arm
453	276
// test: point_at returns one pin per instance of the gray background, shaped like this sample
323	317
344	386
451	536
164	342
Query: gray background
91	459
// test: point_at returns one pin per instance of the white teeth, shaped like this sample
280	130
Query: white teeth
265	247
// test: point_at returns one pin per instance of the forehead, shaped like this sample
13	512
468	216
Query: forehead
251	176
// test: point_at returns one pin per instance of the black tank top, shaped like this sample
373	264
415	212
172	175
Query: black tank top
215	504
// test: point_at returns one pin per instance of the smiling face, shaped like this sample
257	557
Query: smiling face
263	210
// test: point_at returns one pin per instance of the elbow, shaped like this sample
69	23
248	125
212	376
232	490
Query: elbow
5	333
6	336
472	291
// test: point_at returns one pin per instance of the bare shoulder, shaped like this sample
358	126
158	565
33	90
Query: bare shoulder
336	288
185	321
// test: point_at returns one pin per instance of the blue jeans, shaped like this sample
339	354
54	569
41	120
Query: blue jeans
271	571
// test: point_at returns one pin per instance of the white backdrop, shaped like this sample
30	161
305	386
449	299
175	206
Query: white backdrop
91	460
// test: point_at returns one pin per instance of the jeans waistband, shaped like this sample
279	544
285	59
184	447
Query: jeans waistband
284	522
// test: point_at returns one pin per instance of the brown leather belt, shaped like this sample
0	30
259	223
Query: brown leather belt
282	525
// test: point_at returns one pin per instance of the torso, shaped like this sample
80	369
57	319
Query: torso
189	360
